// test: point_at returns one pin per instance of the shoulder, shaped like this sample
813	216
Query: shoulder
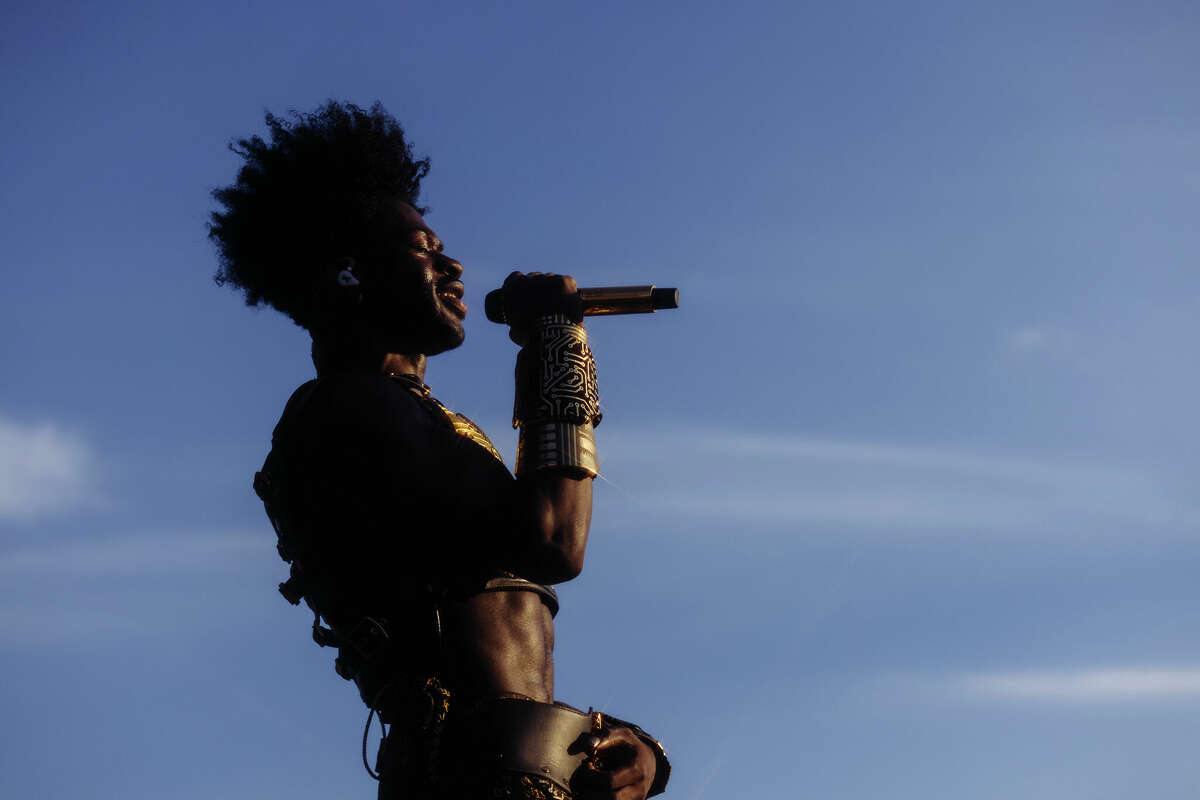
354	404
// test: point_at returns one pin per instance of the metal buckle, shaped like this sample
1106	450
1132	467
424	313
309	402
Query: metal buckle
368	638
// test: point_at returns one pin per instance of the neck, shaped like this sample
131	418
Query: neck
331	356
404	364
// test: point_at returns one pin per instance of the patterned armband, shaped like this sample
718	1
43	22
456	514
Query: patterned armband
556	375
557	403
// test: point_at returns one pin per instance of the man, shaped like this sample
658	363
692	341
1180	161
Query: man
430	563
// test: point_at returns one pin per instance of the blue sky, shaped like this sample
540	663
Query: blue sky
900	503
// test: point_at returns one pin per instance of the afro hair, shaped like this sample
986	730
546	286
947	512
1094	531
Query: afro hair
308	196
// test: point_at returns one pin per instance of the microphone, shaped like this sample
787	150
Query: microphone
599	301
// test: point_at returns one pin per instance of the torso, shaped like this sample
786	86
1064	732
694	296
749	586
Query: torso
442	486
502	643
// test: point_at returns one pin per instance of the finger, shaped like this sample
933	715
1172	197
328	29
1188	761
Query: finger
591	780
624	783
617	743
628	761
623	774
608	791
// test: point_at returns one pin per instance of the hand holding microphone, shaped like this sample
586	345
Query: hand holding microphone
557	402
525	297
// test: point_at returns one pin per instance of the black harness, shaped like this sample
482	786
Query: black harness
368	652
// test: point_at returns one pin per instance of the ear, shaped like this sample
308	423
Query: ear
345	272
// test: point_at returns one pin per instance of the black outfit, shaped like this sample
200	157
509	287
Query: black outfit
388	505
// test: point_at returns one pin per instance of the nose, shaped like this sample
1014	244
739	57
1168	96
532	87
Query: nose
450	268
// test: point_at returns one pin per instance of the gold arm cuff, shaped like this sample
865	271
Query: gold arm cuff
556	375
557	445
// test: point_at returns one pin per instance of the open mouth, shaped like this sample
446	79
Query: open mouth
451	294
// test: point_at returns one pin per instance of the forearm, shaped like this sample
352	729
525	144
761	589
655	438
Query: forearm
557	511
556	409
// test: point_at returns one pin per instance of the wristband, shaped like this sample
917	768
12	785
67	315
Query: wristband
557	404
557	445
556	375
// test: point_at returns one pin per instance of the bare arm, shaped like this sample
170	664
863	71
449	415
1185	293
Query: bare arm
555	508
554	502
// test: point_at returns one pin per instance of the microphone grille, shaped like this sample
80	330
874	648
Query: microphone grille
664	298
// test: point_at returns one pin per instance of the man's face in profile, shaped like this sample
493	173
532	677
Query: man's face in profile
411	289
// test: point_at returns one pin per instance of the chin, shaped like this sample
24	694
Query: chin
429	334
449	342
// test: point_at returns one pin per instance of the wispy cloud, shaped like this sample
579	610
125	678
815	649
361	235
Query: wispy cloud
135	555
1091	685
753	476
869	508
886	454
103	589
1039	339
43	469
39	625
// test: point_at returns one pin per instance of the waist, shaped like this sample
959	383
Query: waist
500	643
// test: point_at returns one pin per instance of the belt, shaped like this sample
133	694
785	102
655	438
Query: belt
525	736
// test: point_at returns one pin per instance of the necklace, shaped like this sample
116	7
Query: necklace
458	423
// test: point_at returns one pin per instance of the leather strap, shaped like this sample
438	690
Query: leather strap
524	736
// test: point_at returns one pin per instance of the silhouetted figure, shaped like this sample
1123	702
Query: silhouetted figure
430	563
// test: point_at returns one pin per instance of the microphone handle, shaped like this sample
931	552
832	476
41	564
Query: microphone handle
600	301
